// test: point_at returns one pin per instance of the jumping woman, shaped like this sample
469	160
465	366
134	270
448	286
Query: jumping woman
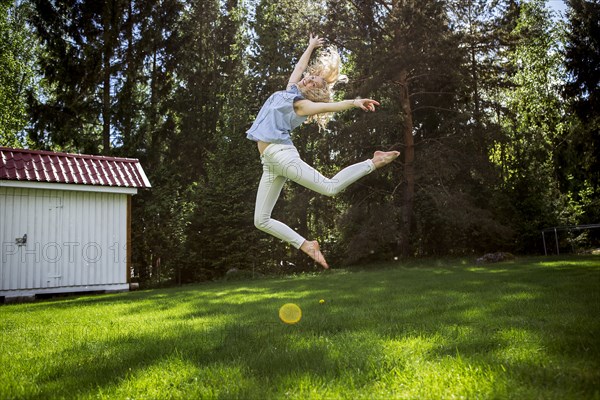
307	96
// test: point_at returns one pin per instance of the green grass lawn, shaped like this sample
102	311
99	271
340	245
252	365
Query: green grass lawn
528	329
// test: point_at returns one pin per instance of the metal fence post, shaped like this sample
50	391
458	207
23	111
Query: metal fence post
544	240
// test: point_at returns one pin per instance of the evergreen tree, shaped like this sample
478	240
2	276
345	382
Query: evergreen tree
577	162
531	122
213	108
18	51
80	39
406	55
152	130
455	211
468	93
272	59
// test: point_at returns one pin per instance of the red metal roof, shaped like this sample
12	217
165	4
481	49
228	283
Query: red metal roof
48	166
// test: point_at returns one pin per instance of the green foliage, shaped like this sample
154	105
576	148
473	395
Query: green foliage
17	55
582	55
472	87
577	152
530	122
454	179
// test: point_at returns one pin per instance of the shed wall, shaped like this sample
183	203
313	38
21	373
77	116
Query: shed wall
75	240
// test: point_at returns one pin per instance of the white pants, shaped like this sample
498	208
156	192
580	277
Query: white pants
282	162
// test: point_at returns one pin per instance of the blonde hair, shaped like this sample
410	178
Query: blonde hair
327	66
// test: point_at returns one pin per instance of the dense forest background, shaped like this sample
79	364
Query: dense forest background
493	104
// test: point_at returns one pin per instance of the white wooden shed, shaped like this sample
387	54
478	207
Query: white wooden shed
65	222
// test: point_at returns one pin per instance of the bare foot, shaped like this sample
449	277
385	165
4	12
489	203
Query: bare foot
314	251
382	158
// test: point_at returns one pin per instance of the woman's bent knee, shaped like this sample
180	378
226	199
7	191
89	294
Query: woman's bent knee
261	223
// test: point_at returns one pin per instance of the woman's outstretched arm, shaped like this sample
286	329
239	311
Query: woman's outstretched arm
307	107
313	43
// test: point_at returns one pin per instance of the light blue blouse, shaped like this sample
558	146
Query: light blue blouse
277	118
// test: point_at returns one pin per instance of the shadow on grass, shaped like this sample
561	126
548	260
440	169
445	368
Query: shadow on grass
535	321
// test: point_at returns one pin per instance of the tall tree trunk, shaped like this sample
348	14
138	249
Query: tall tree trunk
153	114
106	56
408	192
474	64
129	83
409	173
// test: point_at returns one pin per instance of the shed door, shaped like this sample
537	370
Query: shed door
29	234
